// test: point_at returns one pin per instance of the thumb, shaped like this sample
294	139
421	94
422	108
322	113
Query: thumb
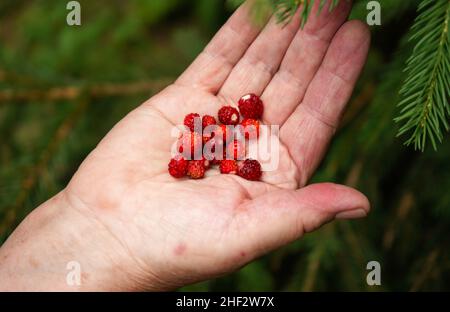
277	218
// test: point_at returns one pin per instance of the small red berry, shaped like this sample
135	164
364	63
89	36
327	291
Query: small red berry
250	128
190	121
196	169
228	115
209	149
208	120
251	106
192	140
178	167
206	138
250	169
228	167
235	150
223	133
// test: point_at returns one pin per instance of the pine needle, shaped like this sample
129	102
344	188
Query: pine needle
425	108
285	9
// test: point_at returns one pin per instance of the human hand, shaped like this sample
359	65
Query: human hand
162	233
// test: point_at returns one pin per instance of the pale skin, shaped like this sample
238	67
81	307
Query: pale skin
131	226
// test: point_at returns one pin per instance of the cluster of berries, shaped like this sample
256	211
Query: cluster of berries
221	140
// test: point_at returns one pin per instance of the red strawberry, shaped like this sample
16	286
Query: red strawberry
251	106
223	133
208	121
196	169
192	140
228	115
250	128
228	167
209	149
178	167
206	138
235	150
191	120
250	169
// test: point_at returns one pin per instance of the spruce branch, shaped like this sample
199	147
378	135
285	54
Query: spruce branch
312	269
284	10
428	267
425	93
75	92
357	104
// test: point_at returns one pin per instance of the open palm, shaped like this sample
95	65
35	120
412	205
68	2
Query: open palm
180	231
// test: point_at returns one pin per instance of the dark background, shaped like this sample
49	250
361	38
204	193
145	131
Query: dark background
62	88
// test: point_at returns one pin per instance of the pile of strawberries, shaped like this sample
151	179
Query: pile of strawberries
227	139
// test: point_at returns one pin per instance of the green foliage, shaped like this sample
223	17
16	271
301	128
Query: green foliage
425	107
285	9
426	91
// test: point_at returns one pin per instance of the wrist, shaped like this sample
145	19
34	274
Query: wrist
59	248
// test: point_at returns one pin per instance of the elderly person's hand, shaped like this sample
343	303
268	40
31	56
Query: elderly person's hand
130	225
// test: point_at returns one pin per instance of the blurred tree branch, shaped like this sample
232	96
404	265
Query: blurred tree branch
94	91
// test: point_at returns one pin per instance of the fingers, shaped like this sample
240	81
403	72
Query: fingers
277	218
301	62
214	64
309	129
262	59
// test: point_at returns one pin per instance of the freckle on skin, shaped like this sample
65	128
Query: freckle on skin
106	203
34	264
179	249
84	276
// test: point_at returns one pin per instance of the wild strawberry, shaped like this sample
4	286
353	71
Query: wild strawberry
206	138
208	125
228	115
219	152
250	127
223	133
251	106
209	149
196	169
190	144
250	169
178	167
190	121
228	167
208	121
235	150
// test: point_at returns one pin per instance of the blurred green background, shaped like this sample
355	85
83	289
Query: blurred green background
62	88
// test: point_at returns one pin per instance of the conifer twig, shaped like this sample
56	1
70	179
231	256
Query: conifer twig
74	92
404	208
358	104
312	268
428	267
425	107
286	9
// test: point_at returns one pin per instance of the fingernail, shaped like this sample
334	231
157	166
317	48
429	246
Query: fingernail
352	214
